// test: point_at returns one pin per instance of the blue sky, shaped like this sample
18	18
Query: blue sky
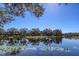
64	17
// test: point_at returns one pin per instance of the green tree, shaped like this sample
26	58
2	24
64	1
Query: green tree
23	32
35	32
12	31
57	32
47	32
10	10
1	33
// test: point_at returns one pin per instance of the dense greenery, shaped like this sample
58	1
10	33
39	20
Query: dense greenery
32	32
71	35
8	11
13	33
11	10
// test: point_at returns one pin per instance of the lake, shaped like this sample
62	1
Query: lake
40	47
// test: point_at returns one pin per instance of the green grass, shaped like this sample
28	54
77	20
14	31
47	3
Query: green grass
37	36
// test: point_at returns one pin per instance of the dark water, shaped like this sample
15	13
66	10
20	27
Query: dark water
44	47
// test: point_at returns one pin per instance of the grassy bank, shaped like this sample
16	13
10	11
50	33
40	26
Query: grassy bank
38	36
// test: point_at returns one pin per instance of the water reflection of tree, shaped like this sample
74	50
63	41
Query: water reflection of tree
34	41
12	42
46	41
57	40
1	42
10	49
49	41
11	46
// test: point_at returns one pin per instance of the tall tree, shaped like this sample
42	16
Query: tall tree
35	32
12	31
47	32
10	10
2	31
57	32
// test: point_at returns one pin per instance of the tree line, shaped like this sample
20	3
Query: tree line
71	35
32	32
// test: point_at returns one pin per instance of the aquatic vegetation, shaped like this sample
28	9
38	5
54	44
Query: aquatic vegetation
10	49
56	49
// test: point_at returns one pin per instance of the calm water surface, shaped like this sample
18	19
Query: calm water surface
45	47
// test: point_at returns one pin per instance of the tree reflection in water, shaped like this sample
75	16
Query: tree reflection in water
10	49
34	41
56	40
13	46
49	41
